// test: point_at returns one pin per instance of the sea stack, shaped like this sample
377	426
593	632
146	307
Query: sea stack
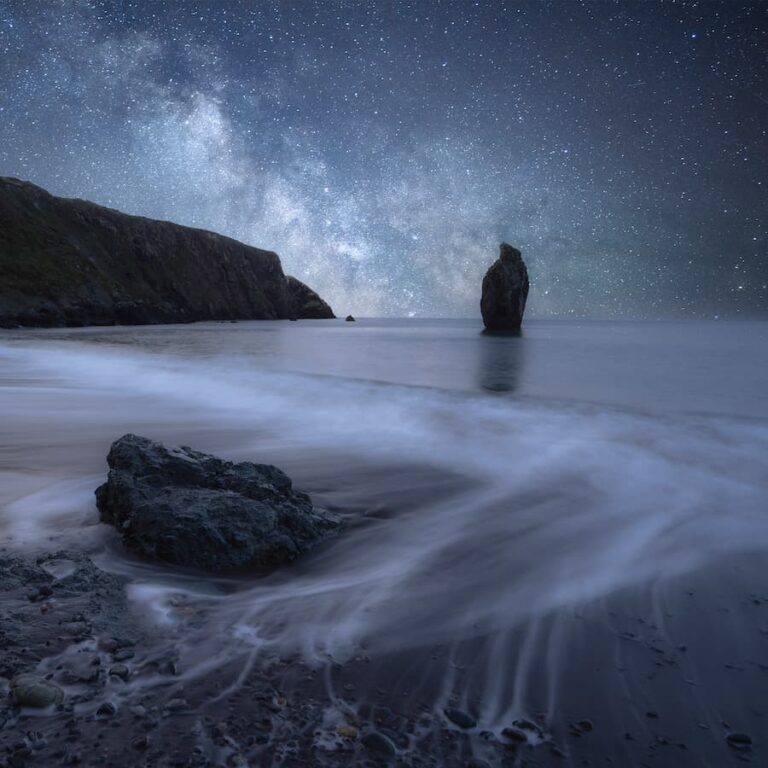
505	290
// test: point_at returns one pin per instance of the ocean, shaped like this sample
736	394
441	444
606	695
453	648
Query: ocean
526	515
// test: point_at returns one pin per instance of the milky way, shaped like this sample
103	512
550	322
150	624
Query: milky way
384	149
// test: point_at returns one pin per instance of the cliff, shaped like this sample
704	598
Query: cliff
70	262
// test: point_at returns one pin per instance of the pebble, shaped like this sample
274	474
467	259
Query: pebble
347	731
513	734
460	718
84	667
34	691
740	741
108	644
378	743
119	670
107	709
140	743
175	705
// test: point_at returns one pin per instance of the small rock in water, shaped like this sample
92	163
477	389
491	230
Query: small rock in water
460	718
740	741
515	735
528	725
350	319
582	726
34	691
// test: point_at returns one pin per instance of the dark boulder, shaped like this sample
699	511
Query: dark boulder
350	319
505	291
188	508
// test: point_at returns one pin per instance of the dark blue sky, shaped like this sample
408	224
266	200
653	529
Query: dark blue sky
385	148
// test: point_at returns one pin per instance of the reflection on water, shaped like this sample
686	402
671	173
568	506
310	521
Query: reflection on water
501	361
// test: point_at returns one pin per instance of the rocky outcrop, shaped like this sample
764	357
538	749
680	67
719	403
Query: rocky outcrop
188	508
305	302
69	262
505	291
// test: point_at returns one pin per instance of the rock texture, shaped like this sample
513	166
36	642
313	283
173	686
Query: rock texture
180	506
505	291
70	263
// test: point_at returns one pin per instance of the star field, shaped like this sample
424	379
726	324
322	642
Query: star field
384	149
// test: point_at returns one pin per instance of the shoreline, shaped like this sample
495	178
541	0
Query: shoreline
607	681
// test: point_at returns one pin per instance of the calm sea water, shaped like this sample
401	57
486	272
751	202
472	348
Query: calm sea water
489	481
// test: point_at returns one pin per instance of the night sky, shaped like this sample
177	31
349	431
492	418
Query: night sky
384	149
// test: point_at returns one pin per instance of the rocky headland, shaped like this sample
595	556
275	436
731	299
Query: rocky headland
68	262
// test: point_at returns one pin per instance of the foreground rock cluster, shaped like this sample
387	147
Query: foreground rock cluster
187	508
72	263
505	291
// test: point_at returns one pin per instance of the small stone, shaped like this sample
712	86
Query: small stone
169	668
652	715
123	655
740	741
460	718
34	691
84	667
347	731
378	743
45	591
583	726
175	705
108	644
119	670
107	709
528	725
350	319
140	743
514	735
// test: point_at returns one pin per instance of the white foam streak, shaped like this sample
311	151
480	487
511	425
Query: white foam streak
560	505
